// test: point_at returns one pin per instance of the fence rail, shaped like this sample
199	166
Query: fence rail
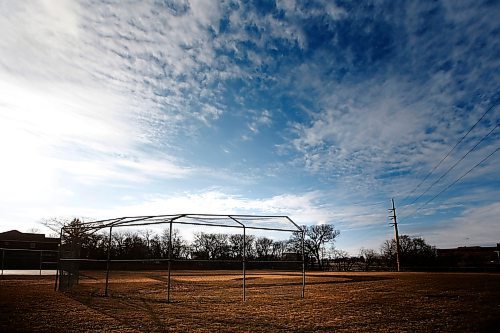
27	259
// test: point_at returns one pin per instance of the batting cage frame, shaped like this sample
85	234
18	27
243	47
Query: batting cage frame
69	252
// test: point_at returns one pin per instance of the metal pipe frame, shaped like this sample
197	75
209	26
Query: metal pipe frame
57	283
194	219
303	265
41	255
243	259
131	221
169	261
187	223
244	267
108	262
179	260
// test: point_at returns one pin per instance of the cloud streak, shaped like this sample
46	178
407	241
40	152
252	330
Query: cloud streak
282	106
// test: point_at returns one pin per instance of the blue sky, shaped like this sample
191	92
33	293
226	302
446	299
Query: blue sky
320	110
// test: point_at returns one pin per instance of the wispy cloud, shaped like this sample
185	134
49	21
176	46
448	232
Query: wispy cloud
308	106
476	226
303	208
396	116
81	92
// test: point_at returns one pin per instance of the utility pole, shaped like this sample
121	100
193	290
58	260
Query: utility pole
396	234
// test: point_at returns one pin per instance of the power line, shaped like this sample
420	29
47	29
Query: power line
456	163
456	181
446	156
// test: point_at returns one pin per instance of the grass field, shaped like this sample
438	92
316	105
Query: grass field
208	301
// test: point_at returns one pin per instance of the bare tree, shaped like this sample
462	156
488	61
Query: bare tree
74	232
135	247
316	237
77	240
211	246
56	223
342	260
279	248
370	257
236	246
155	249
264	247
94	245
179	245
414	252
147	234
118	240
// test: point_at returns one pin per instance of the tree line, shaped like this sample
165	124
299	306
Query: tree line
319	240
146	244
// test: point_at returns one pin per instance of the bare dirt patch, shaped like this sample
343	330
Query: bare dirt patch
212	302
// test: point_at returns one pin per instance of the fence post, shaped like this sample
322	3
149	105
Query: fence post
303	266
244	264
3	259
57	282
41	255
169	261
107	261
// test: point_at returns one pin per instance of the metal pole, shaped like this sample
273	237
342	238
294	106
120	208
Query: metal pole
244	264
3	259
41	255
57	277
303	266
396	234
58	270
108	262
169	262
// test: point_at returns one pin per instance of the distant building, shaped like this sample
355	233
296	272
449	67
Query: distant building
291	256
30	241
470	256
21	250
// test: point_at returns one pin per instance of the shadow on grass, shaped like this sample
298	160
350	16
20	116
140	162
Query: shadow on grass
119	308
331	279
85	296
146	313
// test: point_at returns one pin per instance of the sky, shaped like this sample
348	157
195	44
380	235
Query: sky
319	110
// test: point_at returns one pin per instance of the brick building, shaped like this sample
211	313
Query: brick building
14	239
470	256
21	250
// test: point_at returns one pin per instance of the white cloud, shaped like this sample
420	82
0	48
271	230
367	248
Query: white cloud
475	226
121	170
381	126
305	209
301	208
259	119
102	93
74	99
40	126
157	63
209	113
40	36
399	115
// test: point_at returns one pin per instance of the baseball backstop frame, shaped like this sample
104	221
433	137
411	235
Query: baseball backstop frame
68	267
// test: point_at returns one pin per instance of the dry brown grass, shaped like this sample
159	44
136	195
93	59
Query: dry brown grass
212	302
